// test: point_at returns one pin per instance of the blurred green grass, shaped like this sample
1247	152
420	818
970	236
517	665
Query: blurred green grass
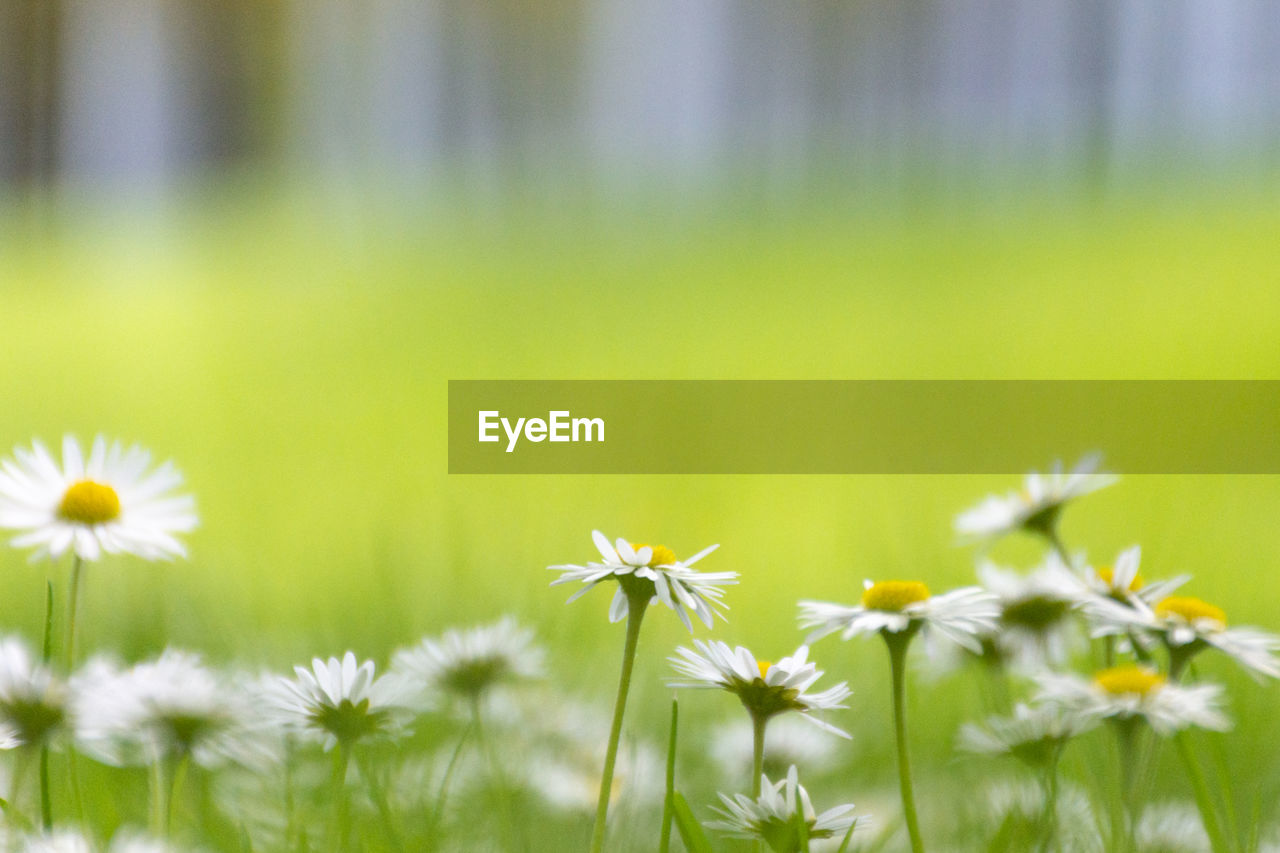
292	360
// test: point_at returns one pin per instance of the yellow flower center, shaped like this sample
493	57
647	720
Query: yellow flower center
1108	576
88	502
1190	609
893	595
763	666
1122	680
661	555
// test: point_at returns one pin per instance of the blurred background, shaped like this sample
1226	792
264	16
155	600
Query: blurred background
258	237
600	92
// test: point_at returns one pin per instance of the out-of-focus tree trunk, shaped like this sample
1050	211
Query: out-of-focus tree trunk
29	59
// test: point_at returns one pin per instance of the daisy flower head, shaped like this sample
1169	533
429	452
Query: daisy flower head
174	705
905	607
108	502
342	701
649	573
1128	693
467	664
1036	625
33	701
1123	582
774	816
1037	506
1188	625
1033	734
765	689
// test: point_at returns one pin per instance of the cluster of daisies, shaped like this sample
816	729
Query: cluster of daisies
1030	631
336	752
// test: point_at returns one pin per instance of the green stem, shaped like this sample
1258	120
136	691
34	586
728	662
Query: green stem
159	805
179	775
21	759
1055	542
758	723
342	803
437	814
69	660
46	654
1051	802
636	604
379	797
1204	798
73	601
669	801
898	641
513	833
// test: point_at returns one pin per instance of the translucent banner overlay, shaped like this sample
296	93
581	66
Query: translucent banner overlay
861	427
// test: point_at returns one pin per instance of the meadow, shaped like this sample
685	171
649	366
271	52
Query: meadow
290	355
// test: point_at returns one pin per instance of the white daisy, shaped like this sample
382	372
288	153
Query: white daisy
892	607
765	689
66	841
653	573
107	503
171	706
1022	804
1036	625
790	742
33	702
773	817
342	701
1171	828
1123	582
1135	692
1034	734
63	841
466	664
1037	506
1188	625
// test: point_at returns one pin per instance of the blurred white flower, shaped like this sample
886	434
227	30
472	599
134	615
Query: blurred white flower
342	701
1024	803
1037	506
33	702
1036	627
652	571
1134	692
466	664
1034	734
765	689
773	817
171	706
962	615
108	503
1171	828
62	841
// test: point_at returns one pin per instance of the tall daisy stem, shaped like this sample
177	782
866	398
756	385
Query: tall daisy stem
46	654
1204	798
758	722
669	800
379	796
177	777
69	661
898	642
636	604
73	602
159	802
437	814
342	801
